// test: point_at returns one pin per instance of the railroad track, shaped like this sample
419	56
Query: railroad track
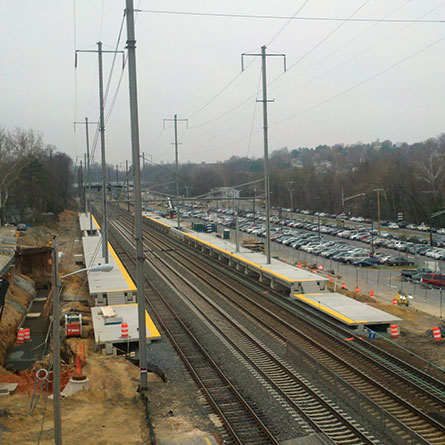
410	415
323	416
242	423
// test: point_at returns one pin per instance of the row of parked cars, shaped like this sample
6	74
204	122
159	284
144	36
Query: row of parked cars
390	224
300	235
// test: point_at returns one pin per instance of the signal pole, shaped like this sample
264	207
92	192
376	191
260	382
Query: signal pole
175	120
100	51
134	119
266	137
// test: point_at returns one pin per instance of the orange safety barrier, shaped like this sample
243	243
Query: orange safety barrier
314	270
437	335
343	285
27	334
394	301
331	280
371	293
21	335
320	267
299	265
357	289
124	330
394	331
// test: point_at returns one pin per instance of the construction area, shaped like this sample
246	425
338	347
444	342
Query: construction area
98	372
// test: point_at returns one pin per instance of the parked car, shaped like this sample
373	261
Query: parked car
398	261
434	279
407	274
367	262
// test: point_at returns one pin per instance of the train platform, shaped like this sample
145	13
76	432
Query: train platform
347	310
278	274
107	321
303	285
105	288
88	224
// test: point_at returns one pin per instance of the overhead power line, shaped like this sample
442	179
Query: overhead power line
283	17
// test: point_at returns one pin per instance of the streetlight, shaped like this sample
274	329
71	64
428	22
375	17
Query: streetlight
56	336
343	199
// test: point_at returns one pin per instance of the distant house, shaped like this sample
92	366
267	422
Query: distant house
224	193
297	163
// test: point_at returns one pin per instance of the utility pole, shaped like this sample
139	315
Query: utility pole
88	166
100	52
291	193
266	141
117	174
379	228
134	119
175	120
56	347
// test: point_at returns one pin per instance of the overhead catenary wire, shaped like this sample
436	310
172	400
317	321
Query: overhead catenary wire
253	115
283	17
335	96
324	39
368	79
275	36
348	43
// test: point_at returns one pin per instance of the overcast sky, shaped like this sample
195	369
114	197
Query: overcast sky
184	61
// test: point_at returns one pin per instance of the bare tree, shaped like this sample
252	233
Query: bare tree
16	152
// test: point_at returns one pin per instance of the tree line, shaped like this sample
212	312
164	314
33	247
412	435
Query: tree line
411	177
34	177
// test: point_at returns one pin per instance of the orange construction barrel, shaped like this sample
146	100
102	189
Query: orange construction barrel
124	330
21	335
437	335
394	331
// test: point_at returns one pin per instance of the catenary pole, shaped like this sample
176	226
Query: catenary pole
266	152
128	185
176	143
131	48
102	149
88	171
266	138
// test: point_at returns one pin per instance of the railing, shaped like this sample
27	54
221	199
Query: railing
369	413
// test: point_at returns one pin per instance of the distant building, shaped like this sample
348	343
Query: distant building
224	193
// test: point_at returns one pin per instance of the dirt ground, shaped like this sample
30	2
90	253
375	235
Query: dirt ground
96	416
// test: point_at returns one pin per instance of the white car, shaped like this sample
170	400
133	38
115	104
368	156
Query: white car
393	226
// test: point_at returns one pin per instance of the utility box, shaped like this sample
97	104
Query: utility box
73	325
226	234
198	227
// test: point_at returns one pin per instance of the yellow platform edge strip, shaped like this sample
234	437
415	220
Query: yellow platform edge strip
329	311
127	278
